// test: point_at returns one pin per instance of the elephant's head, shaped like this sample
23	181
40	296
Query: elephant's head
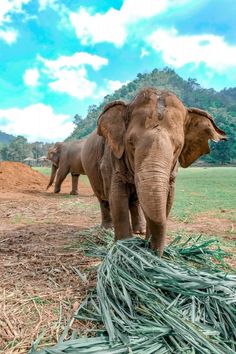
54	153
150	134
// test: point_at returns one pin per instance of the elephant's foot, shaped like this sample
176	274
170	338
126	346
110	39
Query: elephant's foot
157	246
74	193
107	224
139	230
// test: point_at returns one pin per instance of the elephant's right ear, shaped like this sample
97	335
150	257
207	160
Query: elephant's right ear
112	126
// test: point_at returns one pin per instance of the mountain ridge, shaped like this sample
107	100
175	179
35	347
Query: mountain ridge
6	138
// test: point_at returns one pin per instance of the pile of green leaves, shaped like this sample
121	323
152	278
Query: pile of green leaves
181	303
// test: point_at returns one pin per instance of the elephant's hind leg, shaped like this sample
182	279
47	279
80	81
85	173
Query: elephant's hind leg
75	180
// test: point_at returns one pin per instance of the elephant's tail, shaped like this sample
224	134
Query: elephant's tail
52	177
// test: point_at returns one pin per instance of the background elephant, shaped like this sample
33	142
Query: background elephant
66	158
137	149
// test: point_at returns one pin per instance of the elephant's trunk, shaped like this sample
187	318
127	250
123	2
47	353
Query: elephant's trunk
152	183
53	174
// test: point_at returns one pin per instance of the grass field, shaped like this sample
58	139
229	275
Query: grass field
199	190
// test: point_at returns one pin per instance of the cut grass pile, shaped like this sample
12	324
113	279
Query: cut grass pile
143	304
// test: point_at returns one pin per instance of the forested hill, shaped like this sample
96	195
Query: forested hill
5	138
222	106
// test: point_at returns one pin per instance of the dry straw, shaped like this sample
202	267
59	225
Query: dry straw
181	303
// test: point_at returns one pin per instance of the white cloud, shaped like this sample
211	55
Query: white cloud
109	87
75	60
144	53
179	50
43	4
112	25
7	9
67	74
36	122
73	82
114	85
8	35
31	77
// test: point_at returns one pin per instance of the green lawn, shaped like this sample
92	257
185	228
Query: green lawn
200	189
44	170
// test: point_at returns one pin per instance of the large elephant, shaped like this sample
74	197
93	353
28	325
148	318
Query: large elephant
137	148
66	158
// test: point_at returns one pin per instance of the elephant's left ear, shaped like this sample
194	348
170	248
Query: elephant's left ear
112	126
199	129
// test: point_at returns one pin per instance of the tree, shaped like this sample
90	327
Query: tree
4	152
193	83
77	120
37	149
19	149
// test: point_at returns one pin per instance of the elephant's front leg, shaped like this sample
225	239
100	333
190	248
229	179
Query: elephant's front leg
119	205
105	214
61	175
137	217
75	180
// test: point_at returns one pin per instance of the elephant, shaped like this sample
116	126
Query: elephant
134	155
66	158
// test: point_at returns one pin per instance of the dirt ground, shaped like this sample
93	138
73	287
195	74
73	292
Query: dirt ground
39	284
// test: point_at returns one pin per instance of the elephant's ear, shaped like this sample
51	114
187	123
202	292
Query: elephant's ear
112	126
54	152
199	128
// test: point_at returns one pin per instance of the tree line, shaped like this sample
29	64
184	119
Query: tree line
19	149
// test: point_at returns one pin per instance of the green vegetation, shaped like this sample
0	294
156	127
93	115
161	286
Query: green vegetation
220	104
201	190
182	303
44	170
19	149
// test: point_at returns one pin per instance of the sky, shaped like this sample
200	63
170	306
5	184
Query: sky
59	57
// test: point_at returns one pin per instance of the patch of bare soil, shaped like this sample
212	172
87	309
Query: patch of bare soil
18	176
206	224
39	285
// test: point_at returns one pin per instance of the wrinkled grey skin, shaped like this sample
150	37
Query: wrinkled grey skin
136	153
66	158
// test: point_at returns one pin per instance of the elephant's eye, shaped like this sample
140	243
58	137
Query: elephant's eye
130	141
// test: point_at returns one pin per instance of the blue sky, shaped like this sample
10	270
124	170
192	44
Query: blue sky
58	57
